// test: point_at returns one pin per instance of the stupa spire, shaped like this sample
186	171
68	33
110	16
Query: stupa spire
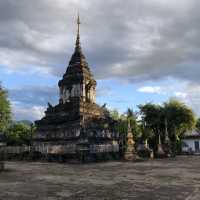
78	57
78	45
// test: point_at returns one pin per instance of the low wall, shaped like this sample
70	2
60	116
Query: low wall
58	149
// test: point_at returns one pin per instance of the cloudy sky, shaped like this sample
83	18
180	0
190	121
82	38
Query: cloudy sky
139	51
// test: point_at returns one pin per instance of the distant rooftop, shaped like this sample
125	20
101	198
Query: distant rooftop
192	134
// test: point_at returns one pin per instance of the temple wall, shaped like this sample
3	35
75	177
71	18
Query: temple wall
65	133
44	148
103	148
91	94
60	133
83	90
55	149
102	134
48	148
78	90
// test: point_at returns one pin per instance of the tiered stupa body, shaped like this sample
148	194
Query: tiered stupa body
77	123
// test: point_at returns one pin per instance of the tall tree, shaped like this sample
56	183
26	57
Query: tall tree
151	123
132	117
5	110
180	118
122	119
152	115
122	126
198	124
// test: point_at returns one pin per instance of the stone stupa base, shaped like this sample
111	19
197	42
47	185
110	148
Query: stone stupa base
130	156
160	153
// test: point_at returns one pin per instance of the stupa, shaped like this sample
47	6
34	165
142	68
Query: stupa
77	126
130	153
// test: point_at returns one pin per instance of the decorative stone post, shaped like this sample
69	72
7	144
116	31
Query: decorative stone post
146	146
130	153
160	151
167	141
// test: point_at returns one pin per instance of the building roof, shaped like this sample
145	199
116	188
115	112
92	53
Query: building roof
194	134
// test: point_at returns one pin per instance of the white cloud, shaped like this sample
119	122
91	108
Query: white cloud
191	96
180	94
151	89
138	41
24	112
185	91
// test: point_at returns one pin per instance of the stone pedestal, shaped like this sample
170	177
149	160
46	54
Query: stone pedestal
160	150
130	154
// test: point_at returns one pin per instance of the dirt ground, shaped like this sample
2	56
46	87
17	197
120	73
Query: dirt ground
149	180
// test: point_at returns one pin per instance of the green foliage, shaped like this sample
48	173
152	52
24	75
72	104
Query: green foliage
146	133
19	134
151	115
180	117
114	114
198	124
122	122
173	116
5	110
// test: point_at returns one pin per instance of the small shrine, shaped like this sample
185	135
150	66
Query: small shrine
130	153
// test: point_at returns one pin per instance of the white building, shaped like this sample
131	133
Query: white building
191	142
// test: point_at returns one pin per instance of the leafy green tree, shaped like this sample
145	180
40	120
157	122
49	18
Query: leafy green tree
5	110
198	124
114	114
151	115
132	117
122	121
146	133
122	126
180	118
151	123
20	134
